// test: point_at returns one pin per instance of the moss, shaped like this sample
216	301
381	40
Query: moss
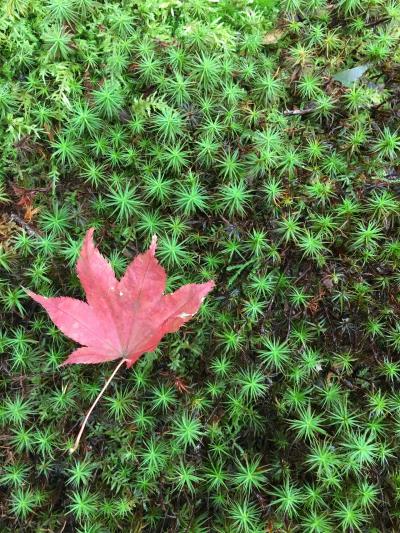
219	126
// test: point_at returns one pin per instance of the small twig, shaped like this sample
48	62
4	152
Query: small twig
345	381
20	222
78	438
307	270
376	22
299	111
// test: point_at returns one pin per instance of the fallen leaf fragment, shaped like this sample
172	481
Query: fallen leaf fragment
273	37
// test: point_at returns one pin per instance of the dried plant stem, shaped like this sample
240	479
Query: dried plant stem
106	384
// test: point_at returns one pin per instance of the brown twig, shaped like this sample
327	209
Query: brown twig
20	222
376	22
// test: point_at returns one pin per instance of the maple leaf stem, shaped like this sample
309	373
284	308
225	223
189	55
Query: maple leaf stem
106	384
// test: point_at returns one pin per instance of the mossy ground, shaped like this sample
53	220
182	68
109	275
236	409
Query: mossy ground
222	127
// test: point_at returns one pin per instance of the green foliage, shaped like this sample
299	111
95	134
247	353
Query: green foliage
218	126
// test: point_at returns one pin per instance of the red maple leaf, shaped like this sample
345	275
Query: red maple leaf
121	319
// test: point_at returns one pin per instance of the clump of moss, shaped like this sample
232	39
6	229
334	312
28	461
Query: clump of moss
223	128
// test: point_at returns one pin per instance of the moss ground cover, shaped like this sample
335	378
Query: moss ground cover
244	135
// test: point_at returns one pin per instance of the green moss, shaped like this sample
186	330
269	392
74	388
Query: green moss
218	126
